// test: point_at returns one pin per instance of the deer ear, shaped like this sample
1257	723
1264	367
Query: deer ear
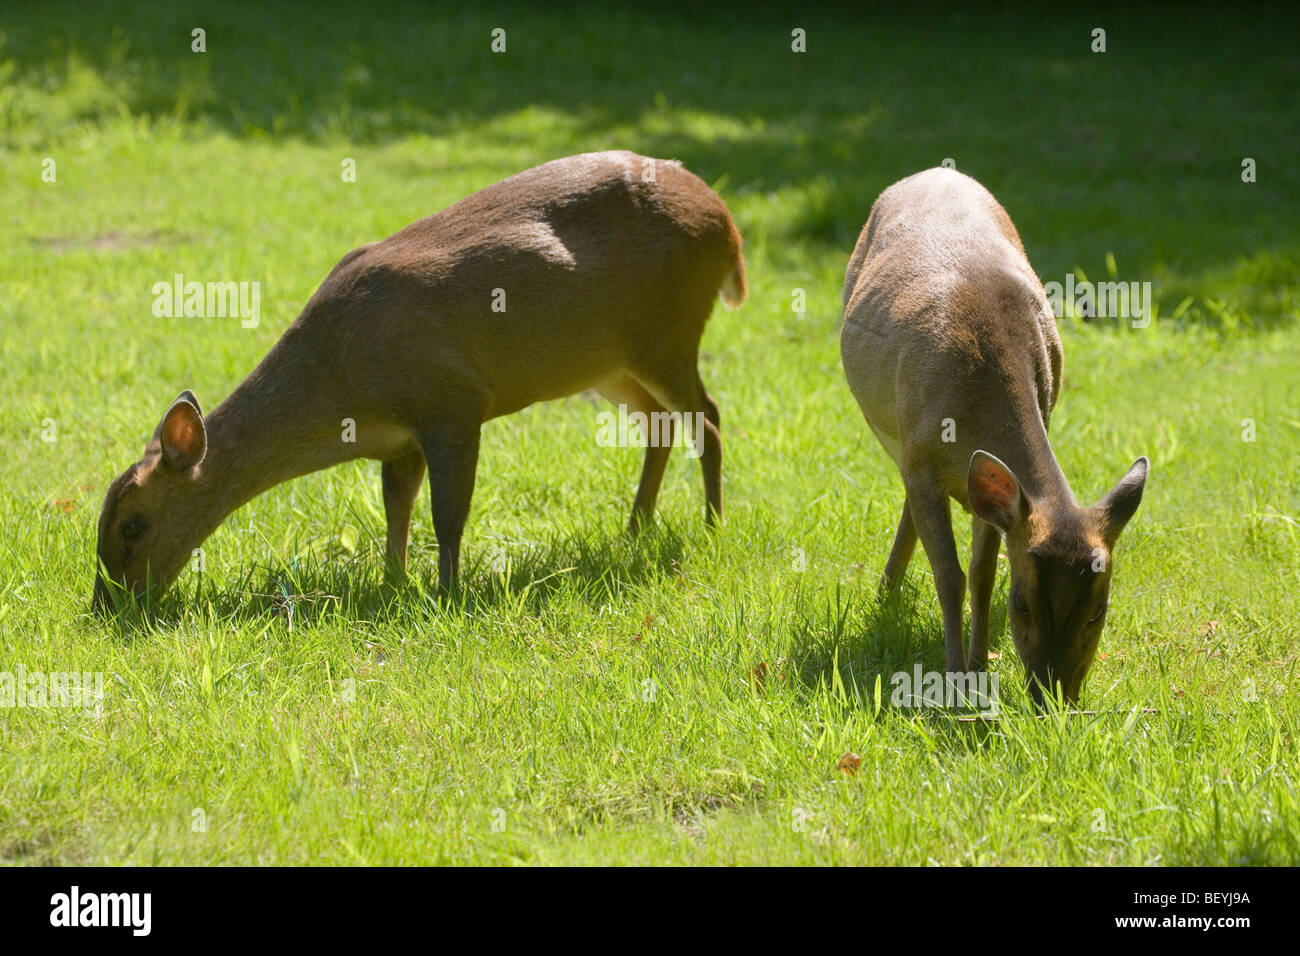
1122	501
188	396
994	492
181	433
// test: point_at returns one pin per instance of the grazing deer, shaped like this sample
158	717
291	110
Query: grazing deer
951	351
593	271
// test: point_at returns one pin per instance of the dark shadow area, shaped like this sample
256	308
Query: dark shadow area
1136	150
317	587
859	640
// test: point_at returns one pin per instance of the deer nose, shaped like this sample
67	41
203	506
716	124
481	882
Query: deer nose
1042	686
1035	691
1046	684
100	601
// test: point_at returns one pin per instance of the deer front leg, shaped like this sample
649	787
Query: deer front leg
451	452
933	523
986	541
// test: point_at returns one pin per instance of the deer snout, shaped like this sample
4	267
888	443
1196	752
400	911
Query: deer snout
1044	683
109	593
101	601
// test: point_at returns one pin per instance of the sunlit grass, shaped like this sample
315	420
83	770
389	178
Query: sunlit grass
685	697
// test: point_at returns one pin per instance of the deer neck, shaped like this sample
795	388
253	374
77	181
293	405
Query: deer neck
268	431
1022	443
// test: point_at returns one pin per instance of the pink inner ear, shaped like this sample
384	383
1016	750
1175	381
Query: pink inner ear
995	493
180	433
995	488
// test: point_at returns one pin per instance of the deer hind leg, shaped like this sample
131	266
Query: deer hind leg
402	477
711	460
628	392
900	555
678	388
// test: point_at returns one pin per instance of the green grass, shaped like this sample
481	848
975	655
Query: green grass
596	701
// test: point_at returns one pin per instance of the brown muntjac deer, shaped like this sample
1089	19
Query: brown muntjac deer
594	271
950	349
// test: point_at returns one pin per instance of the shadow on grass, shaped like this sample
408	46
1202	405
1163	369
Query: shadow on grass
1090	154
863	638
866	640
314	589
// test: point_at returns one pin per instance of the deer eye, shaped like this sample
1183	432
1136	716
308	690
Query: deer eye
1018	603
132	528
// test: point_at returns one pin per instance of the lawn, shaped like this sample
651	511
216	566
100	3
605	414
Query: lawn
685	697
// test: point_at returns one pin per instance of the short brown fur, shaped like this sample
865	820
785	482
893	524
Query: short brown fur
610	264
948	335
